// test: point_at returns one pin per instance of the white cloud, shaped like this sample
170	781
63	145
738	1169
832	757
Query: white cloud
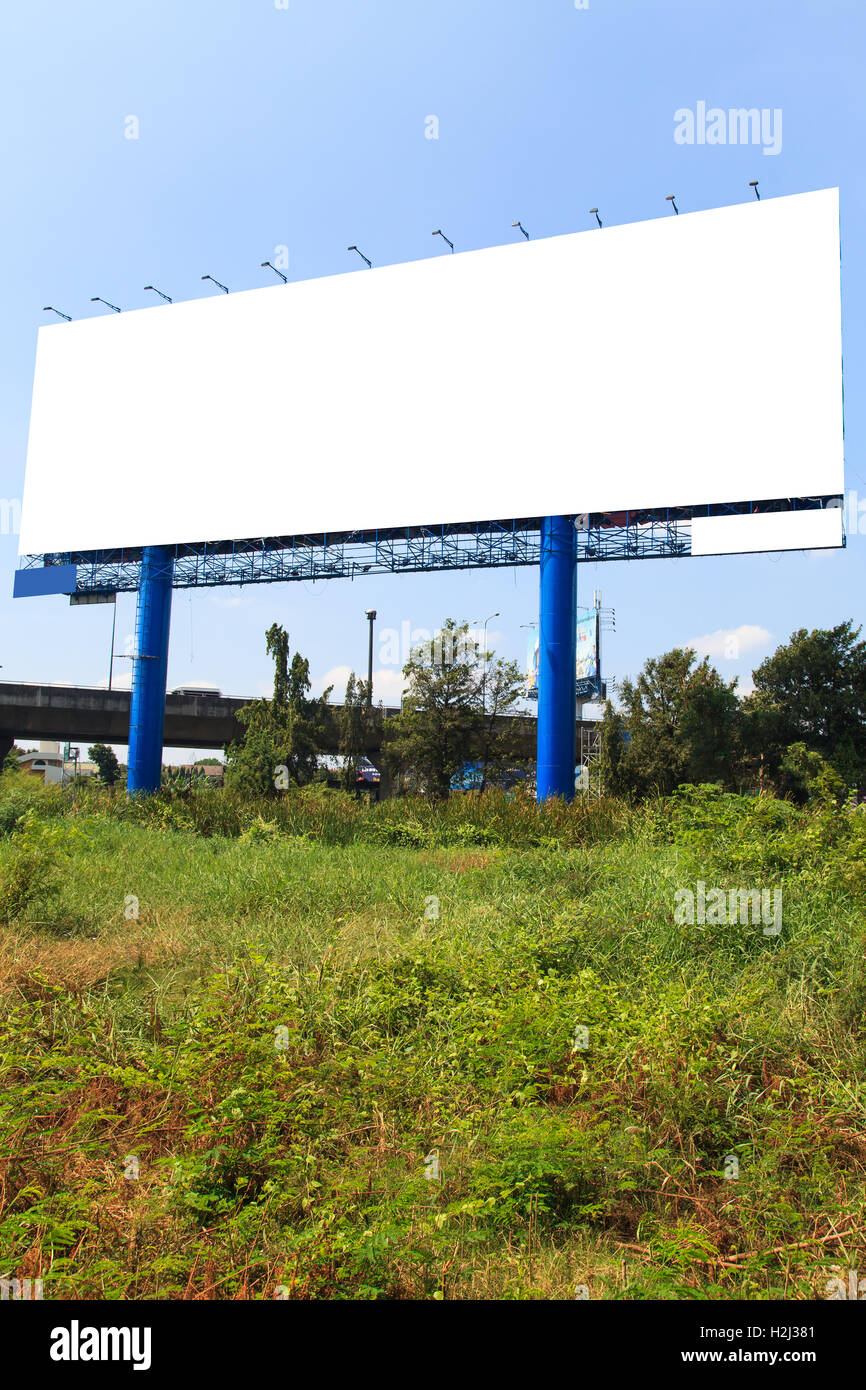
119	681
337	677
388	684
731	643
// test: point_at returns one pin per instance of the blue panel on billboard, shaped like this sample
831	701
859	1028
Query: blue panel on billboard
49	579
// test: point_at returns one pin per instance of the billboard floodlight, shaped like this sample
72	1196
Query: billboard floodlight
284	278
224	288
753	183
363	257
439	232
97	299
50	309
593	212
672	199
522	228
160	293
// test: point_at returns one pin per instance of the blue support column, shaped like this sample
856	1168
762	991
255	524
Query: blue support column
557	658
150	670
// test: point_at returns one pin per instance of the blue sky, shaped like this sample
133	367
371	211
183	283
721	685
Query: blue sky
302	125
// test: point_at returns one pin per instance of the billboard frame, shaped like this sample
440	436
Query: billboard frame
659	533
556	543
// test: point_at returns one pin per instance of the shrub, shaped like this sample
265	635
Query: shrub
31	865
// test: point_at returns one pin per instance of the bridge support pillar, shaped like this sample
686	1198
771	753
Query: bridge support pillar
557	658
150	671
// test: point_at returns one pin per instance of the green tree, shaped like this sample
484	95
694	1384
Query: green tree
360	726
806	776
451	709
614	777
812	690
106	762
282	736
683	724
502	685
277	646
11	761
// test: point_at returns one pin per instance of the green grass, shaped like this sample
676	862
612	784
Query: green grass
317	994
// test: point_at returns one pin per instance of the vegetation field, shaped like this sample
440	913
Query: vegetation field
315	1049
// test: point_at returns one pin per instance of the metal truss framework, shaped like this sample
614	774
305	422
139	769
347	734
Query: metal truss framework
663	533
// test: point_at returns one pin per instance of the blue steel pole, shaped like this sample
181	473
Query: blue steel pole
557	658
150	670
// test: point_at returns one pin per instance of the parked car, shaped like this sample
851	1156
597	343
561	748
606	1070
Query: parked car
470	777
367	778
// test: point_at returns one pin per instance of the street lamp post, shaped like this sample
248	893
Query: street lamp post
111	657
371	617
484	677
484	702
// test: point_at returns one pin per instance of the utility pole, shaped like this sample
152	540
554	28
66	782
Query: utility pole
111	657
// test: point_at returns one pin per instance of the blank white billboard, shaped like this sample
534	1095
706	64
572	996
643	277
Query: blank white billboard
689	360
741	535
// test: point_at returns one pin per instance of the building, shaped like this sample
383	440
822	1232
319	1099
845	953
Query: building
52	763
48	766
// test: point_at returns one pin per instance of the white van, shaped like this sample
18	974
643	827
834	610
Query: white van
196	690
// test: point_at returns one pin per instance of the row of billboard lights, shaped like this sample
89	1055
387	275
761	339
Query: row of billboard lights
97	299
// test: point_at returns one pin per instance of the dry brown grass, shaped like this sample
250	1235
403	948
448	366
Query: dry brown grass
31	964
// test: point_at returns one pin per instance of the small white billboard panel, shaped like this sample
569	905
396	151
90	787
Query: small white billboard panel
739	535
684	361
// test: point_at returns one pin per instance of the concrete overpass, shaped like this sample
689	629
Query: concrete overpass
92	714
